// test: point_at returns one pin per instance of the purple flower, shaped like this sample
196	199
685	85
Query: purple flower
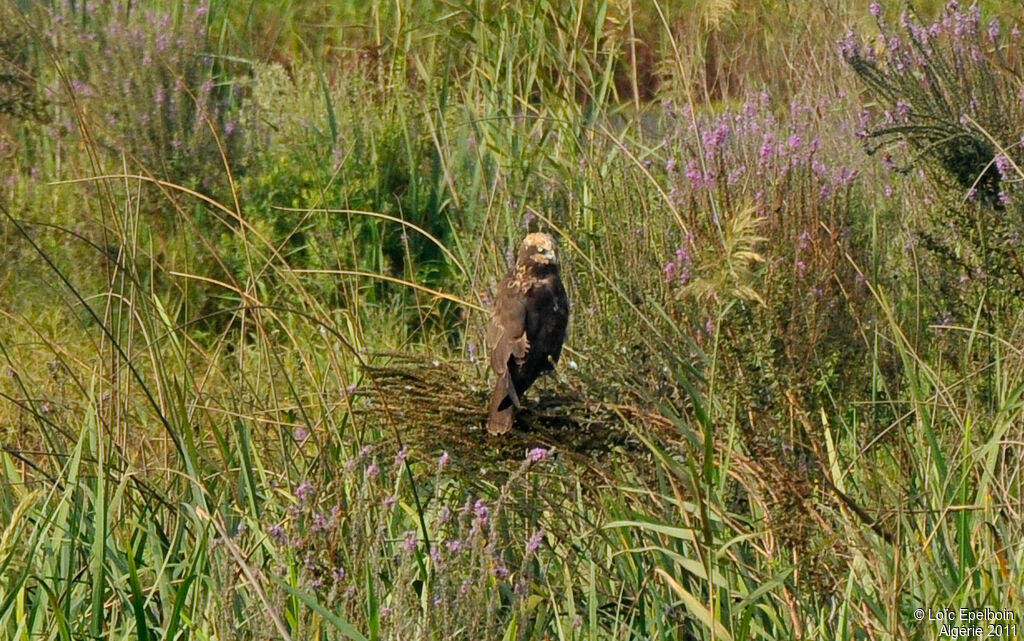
338	574
402	455
276	532
385	612
972	194
1004	198
501	572
372	471
888	191
454	546
875	9
389	502
993	30
320	522
849	47
443	460
80	88
481	510
534	543
300	433
669	270
537	454
304	490
1003	165
444	515
693	174
364	451
716	138
410	541
670	165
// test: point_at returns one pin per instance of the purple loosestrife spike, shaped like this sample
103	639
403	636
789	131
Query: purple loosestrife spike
389	502
410	541
481	510
304	491
402	455
693	174
1003	165
320	522
372	471
994	30
534	543
537	454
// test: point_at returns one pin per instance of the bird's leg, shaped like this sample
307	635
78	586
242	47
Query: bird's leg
512	394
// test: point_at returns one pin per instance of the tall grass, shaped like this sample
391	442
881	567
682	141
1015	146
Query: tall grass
246	260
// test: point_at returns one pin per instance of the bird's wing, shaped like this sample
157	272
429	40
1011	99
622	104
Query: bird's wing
506	333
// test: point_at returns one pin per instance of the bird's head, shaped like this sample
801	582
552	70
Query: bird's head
538	249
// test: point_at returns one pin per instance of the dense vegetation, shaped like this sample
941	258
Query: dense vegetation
246	252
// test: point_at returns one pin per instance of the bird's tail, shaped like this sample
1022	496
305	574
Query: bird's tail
503	410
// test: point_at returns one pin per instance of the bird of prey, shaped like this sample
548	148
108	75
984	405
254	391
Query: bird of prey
527	327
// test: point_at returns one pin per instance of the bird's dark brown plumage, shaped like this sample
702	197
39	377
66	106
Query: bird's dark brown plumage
527	328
